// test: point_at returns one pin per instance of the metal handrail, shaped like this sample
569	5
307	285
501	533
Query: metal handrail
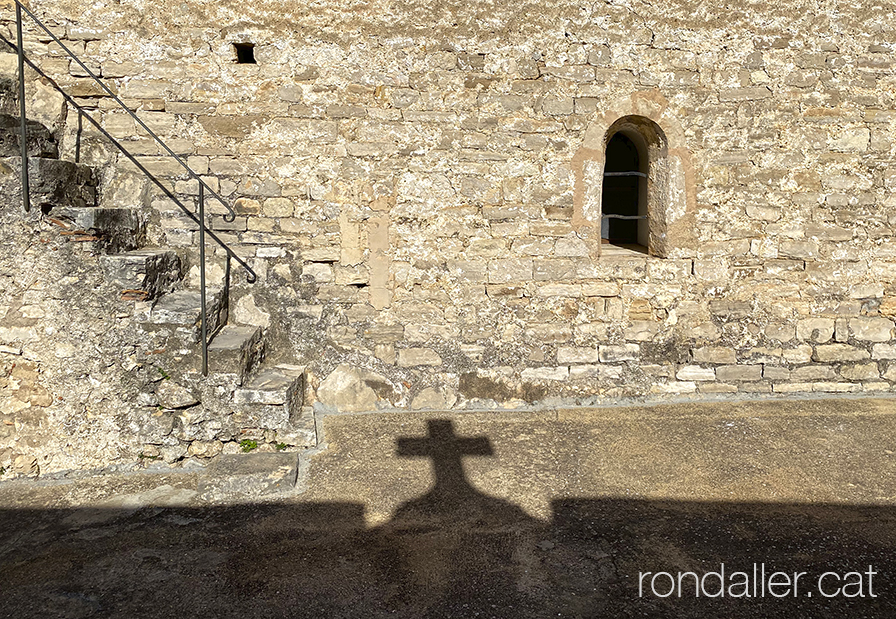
231	214
251	276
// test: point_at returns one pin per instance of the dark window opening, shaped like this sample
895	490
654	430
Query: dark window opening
245	53
624	208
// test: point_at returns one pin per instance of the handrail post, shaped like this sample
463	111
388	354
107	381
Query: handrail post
202	319
26	188
78	136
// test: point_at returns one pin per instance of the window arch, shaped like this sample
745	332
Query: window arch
635	185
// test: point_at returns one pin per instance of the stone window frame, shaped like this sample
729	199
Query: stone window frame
670	187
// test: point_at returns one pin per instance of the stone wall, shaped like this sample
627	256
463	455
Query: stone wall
418	185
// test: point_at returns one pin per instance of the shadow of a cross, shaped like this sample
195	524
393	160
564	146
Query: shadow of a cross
446	450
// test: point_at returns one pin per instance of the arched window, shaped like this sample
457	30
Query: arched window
624	200
635	190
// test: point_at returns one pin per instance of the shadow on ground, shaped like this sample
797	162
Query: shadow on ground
454	552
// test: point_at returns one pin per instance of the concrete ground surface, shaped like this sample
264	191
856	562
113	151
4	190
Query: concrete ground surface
558	513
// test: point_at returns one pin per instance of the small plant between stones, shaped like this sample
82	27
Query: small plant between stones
248	445
281	446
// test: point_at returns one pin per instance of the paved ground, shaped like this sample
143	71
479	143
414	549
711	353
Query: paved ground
551	514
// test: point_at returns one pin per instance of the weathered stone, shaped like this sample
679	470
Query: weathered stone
800	354
154	271
860	371
840	352
818	330
410	357
871	329
695	373
40	140
434	399
351	390
172	395
615	354
567	355
813	372
731	373
246	312
26	465
236	350
883	351
205	449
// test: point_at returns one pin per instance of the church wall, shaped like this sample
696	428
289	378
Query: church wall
418	186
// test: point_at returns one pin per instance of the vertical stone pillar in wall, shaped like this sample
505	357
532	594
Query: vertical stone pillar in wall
592	184
380	262
350	233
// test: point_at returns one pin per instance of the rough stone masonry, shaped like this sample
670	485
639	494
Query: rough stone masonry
421	188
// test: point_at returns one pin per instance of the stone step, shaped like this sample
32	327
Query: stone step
53	182
275	398
236	350
250	476
274	386
41	142
153	271
115	229
183	308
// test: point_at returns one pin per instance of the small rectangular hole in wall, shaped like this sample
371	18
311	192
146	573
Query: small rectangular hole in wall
245	53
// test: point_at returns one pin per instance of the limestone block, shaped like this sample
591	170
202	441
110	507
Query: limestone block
812	372
861	371
542	246
569	355
717	388
172	395
840	352
827	387
744	94
278	207
319	271
884	351
774	372
600	289
385	333
851	140
205	449
549	333
350	389
410	357
731	373
711	269
799	354
434	399
553	269
818	330
509	270
575	73
695	373
871	329
571	246
246	312
618	353
715	354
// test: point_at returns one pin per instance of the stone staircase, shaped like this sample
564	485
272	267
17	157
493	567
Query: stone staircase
266	400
